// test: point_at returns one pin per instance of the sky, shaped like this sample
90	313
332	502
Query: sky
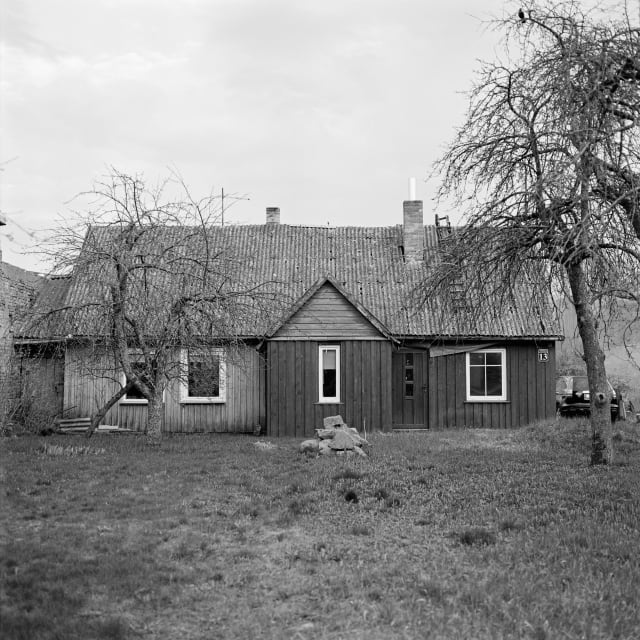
323	108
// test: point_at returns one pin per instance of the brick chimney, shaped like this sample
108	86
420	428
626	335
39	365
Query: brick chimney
413	231
273	215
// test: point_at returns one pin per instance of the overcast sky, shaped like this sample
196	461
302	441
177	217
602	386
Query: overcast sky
324	108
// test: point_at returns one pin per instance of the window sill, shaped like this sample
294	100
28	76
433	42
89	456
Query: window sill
487	401
322	402
202	401
134	402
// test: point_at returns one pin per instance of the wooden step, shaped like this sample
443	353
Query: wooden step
66	423
81	425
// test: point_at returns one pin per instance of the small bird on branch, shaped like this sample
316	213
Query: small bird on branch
522	17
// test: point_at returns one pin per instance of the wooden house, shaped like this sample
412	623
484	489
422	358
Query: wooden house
350	340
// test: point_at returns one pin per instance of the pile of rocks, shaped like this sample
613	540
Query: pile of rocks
335	438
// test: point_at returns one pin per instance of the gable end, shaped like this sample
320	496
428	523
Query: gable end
328	315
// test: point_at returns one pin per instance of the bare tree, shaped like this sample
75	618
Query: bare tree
149	276
545	169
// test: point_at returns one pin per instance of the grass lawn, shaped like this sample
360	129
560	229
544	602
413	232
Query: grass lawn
466	534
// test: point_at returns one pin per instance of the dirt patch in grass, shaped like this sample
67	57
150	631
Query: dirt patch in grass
468	534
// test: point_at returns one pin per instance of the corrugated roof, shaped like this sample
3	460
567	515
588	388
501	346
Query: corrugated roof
17	274
44	318
367	263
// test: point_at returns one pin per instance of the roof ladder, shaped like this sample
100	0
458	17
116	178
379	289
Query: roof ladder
443	227
457	289
458	294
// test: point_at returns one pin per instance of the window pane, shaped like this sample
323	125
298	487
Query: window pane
408	362
329	374
476	381
485	376
329	383
329	359
494	381
476	358
204	377
408	390
408	375
139	369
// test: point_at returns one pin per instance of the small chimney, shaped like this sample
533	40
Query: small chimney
273	215
413	226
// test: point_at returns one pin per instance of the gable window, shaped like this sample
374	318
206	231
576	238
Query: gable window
134	395
204	378
329	373
487	376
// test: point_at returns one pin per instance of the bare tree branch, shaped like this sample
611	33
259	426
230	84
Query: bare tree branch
546	169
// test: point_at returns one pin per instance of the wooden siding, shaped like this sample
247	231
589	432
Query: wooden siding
328	315
37	382
87	383
292	386
243	409
530	390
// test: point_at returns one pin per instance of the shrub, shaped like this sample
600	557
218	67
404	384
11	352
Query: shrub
360	530
511	524
348	474
476	536
381	493
351	496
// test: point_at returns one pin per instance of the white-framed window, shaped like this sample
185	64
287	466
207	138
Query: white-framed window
329	374
204	376
487	375
134	396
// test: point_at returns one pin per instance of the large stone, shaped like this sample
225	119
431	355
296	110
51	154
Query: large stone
350	433
354	435
309	446
360	452
325	434
333	421
342	441
324	448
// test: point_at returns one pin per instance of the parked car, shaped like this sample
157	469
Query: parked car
573	398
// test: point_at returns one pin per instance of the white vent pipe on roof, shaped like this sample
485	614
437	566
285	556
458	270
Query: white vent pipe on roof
412	189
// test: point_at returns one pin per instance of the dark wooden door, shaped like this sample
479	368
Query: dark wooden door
410	390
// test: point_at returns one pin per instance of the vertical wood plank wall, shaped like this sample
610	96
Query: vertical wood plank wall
292	386
245	405
284	397
38	380
88	383
243	409
530	390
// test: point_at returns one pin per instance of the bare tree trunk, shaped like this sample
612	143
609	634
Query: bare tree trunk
155	414
601	441
102	412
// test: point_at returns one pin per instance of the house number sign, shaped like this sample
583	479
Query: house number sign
543	355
